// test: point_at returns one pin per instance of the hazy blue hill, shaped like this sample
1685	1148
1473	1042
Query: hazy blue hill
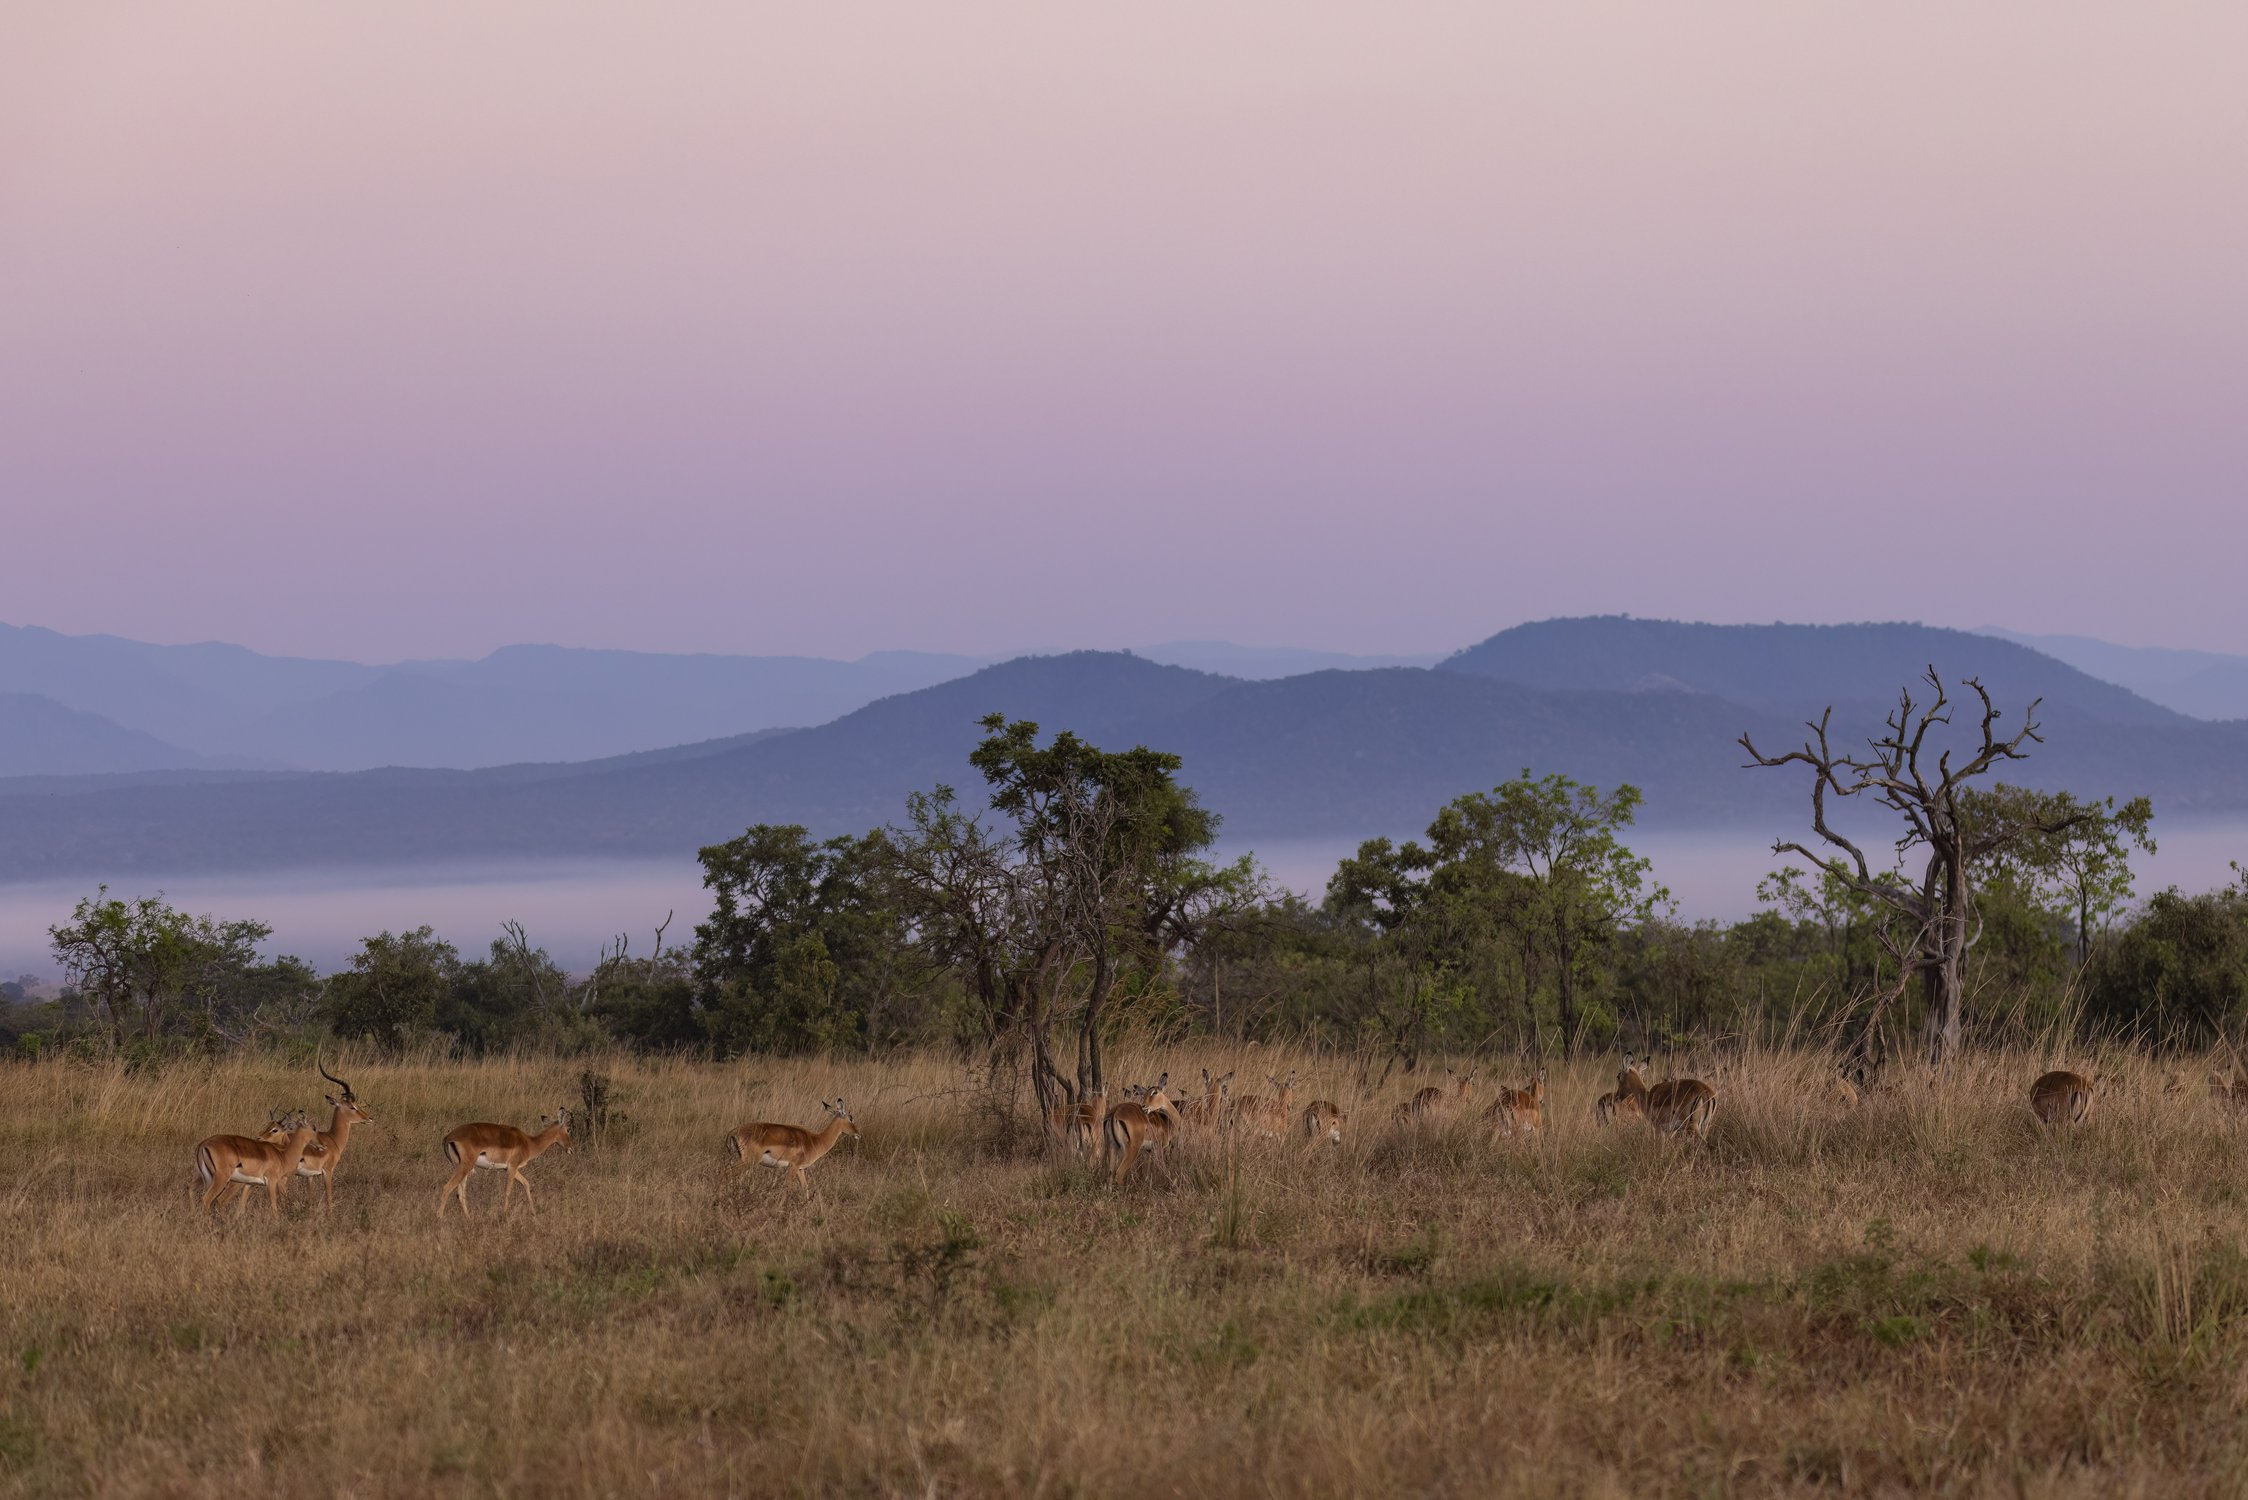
521	703
1323	754
40	737
848	775
1259	663
2205	684
1362	752
1794	670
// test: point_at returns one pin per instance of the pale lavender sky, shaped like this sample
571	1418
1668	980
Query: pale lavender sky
416	328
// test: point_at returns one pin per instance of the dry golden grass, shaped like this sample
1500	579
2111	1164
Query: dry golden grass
1925	1294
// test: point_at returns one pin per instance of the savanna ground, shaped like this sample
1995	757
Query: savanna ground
1924	1294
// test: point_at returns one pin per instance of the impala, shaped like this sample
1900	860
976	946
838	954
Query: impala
2061	1098
1267	1116
1670	1106
1434	1103
222	1161
2234	1093
1143	1124
1325	1120
1078	1124
1841	1091
328	1145
1519	1111
1623	1101
792	1149
1208	1110
499	1148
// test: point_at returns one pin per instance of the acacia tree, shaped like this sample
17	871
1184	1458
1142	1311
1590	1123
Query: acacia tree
393	986
795	927
1097	868
141	961
2082	870
1932	924
1538	859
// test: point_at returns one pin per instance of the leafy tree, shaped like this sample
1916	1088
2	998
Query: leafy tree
1094	875
393	987
515	994
1536	865
795	938
2178	973
2072	856
647	1002
146	964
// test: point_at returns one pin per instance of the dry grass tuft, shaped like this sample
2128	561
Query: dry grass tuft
1924	1293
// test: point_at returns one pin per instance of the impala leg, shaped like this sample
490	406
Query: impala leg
210	1194
803	1183
457	1185
328	1181
515	1176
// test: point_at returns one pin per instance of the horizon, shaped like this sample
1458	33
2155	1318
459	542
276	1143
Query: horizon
740	332
1136	647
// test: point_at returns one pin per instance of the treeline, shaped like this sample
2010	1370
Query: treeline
1082	899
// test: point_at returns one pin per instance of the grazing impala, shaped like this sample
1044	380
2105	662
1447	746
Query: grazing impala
328	1146
1433	1103
1268	1116
1145	1123
223	1161
2061	1098
1078	1124
1519	1111
1671	1106
1324	1120
1626	1100
792	1149
499	1148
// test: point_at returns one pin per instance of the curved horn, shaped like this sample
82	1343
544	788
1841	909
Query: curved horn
320	1061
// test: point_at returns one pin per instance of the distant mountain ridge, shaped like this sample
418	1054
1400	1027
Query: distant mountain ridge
1331	753
1793	669
40	736
520	703
230	705
2206	684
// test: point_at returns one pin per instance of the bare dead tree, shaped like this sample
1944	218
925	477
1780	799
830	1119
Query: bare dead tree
1935	923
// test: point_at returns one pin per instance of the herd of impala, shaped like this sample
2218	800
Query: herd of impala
1146	1122
292	1147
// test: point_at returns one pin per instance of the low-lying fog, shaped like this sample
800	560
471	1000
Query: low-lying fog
573	907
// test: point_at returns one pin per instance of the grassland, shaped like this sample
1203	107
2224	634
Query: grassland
1925	1294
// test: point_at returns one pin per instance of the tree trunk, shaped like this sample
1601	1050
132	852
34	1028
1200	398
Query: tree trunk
1089	1030
1945	969
1565	978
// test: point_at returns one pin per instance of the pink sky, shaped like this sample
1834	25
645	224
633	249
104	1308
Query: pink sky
417	328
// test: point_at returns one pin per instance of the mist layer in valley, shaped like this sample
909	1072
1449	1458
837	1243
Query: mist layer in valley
574	907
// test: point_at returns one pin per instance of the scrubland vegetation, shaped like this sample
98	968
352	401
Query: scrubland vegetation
1923	1293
